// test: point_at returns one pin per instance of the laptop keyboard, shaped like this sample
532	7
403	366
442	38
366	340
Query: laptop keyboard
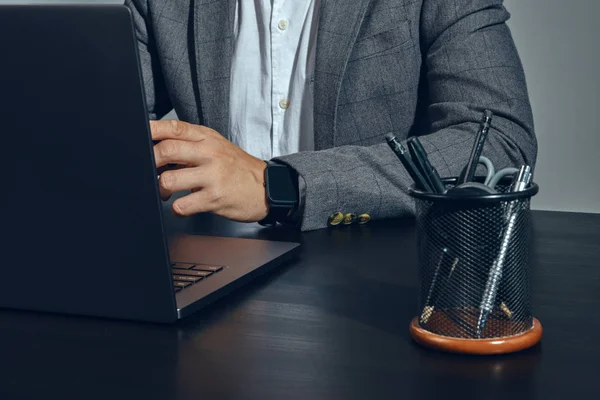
187	274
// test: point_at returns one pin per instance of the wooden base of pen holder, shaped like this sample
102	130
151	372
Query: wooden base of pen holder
501	345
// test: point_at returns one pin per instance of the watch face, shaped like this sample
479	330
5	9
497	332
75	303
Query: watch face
281	185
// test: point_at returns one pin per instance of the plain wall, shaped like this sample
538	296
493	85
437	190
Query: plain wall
558	44
557	41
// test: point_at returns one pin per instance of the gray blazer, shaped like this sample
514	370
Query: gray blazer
411	67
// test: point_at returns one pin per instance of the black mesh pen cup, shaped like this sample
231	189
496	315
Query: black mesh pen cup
475	271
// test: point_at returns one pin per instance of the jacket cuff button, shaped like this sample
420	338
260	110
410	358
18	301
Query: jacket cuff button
349	219
363	219
335	219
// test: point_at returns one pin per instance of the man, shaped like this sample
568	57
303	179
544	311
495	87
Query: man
315	85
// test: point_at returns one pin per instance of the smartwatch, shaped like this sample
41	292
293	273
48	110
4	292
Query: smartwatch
281	187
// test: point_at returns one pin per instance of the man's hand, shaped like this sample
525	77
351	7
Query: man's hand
224	179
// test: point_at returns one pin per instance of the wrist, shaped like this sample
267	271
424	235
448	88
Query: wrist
260	175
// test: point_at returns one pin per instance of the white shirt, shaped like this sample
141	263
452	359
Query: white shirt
271	100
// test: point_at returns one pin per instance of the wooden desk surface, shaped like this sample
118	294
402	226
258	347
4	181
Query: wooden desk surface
332	325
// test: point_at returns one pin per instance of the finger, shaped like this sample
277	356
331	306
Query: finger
164	194
175	129
176	152
169	167
194	203
182	179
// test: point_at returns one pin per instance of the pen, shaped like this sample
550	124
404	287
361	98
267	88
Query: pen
419	165
422	162
491	287
402	154
522	179
442	274
428	309
484	128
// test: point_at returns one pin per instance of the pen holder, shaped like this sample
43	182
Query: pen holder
475	271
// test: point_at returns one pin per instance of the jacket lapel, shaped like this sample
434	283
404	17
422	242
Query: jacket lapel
339	24
213	44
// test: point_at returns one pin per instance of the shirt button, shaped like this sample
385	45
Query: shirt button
283	24
284	104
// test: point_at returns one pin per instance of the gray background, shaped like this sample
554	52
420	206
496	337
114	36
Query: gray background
557	41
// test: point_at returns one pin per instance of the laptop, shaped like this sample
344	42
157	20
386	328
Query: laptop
82	222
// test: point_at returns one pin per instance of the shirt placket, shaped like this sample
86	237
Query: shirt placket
279	85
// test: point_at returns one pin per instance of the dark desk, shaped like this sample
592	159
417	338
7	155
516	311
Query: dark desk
333	325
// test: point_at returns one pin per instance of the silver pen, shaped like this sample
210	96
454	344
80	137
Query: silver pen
523	179
440	279
521	182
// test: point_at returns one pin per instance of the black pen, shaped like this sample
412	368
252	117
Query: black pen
422	162
484	128
402	154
